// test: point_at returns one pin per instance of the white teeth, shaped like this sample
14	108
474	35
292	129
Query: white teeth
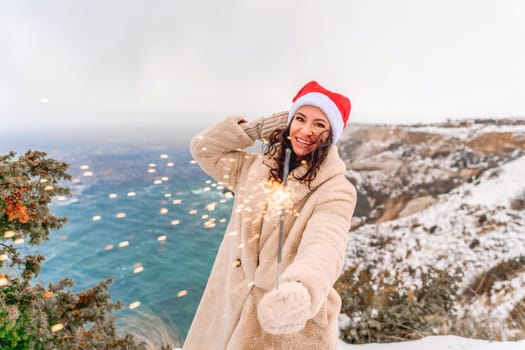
302	141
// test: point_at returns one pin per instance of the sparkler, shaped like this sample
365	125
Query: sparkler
57	327
286	170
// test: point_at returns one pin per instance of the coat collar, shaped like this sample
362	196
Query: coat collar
259	199
332	166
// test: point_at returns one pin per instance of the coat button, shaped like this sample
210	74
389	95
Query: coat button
237	263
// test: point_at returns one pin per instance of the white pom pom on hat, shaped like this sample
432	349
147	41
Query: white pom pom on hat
335	106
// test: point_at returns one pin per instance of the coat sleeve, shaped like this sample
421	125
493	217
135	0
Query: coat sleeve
321	253
262	128
219	149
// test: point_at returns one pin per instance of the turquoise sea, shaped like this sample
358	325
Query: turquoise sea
146	216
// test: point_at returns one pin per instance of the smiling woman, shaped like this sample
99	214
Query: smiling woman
248	303
308	129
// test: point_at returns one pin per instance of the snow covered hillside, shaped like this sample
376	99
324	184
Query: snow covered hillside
449	197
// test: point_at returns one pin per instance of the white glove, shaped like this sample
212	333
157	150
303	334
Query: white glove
284	310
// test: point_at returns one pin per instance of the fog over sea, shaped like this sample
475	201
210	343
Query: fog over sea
143	214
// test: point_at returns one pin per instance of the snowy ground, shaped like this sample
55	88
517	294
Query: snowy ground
473	228
455	223
448	342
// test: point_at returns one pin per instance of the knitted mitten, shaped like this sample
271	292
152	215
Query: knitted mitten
284	310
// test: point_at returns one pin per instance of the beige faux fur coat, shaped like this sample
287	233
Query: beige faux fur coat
315	236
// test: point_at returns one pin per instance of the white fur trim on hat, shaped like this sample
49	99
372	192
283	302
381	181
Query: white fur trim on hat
328	107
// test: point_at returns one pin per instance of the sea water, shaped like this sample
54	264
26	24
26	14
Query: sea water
147	217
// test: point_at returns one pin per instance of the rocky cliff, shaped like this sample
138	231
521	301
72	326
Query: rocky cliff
449	196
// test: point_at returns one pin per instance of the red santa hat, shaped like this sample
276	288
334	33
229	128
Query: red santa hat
335	106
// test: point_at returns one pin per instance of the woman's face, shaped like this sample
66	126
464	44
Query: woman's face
308	129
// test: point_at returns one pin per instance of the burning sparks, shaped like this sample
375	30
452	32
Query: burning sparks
134	305
57	327
3	281
279	198
254	238
138	268
47	294
210	223
203	209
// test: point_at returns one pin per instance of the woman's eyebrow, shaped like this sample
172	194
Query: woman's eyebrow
315	120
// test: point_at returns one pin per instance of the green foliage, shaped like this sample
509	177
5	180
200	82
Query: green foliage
32	316
381	309
27	187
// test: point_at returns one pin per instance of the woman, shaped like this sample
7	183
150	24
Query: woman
242	306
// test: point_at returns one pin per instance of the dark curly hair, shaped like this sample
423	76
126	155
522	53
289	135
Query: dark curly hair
275	149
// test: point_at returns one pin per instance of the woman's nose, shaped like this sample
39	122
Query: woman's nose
308	130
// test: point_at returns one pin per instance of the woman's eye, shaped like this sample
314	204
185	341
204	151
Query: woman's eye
320	126
299	118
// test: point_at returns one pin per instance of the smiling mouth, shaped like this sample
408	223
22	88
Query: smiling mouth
303	142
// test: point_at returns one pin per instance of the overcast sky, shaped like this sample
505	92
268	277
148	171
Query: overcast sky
172	62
